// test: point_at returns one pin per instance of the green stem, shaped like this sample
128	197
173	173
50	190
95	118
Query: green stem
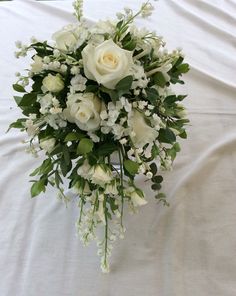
122	185
118	34
81	209
106	237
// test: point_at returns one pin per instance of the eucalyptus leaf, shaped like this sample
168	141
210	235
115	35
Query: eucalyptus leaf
153	168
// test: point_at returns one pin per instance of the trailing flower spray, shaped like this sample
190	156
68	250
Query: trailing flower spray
94	92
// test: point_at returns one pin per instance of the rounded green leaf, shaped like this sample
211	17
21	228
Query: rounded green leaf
131	166
85	146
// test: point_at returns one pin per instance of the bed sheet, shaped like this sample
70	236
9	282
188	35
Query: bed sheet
187	249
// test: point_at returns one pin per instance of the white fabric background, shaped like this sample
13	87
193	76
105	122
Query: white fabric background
186	250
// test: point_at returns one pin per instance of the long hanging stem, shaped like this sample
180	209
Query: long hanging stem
122	186
106	238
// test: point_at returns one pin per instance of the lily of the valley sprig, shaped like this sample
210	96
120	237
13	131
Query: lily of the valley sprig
97	103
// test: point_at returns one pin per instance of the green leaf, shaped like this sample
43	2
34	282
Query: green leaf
35	172
179	61
125	83
172	153
38	187
166	136
113	204
106	149
183	68
66	155
58	179
114	95
152	95
28	99
119	24
183	135
131	166
159	79
73	136
37	83
156	186
17	124
18	88
17	99
157	179
85	146
65	168
130	45
57	149
92	88
162	197
153	168
177	147
46	166
155	151
171	99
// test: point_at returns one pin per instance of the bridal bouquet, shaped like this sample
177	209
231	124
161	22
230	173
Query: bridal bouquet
97	103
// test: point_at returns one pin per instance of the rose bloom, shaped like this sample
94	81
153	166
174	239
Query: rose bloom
47	144
143	133
53	83
106	63
84	109
100	176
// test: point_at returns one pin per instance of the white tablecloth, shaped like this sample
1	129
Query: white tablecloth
187	249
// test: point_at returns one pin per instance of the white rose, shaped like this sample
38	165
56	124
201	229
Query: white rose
106	63
37	66
136	199
53	83
84	109
66	38
142	133
100	176
47	144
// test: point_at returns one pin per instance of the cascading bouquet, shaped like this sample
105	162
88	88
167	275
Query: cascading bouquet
97	102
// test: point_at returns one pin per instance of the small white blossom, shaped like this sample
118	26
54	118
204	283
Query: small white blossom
103	114
46	60
94	137
78	83
147	113
75	70
56	53
123	141
149	175
63	68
